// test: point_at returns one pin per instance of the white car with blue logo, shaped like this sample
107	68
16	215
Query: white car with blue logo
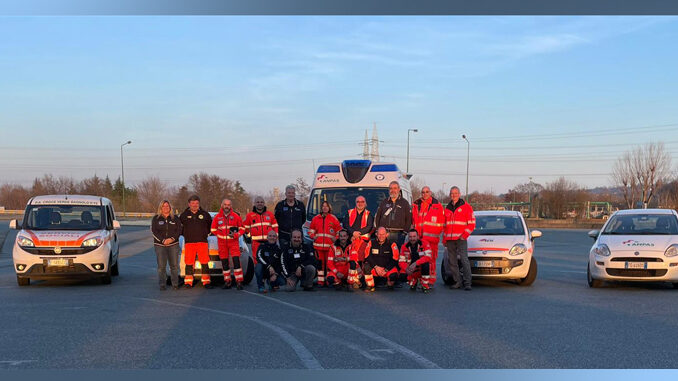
501	247
635	245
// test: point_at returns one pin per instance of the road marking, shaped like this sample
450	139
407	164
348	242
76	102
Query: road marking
16	362
348	344
567	271
302	352
423	361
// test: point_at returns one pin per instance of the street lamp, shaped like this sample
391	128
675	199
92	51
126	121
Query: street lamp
444	194
408	148
468	151
122	167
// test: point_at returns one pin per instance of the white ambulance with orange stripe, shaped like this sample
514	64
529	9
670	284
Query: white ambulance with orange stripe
501	247
66	236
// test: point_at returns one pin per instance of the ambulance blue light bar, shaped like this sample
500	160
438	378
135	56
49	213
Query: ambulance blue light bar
384	168
328	169
357	163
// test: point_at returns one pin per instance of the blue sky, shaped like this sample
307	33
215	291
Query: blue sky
234	95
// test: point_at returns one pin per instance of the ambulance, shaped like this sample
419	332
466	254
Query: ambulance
340	184
66	236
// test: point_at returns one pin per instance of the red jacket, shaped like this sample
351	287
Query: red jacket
423	254
337	260
257	225
221	225
323	231
428	219
459	221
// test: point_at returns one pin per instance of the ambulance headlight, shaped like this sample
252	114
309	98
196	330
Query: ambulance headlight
518	249
92	242
672	251
24	241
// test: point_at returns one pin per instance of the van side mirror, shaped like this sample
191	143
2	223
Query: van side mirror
594	234
535	234
116	225
14	225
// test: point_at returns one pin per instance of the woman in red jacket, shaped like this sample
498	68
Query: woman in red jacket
323	231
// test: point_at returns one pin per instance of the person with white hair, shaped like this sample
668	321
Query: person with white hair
290	214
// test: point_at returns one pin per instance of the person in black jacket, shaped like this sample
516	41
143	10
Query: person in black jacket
269	266
290	214
166	229
395	215
197	225
298	263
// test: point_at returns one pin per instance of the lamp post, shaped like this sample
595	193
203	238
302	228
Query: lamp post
468	151
408	148
122	170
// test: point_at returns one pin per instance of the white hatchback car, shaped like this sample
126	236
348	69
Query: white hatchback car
501	247
635	245
66	236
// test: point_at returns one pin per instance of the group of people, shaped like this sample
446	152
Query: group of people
396	245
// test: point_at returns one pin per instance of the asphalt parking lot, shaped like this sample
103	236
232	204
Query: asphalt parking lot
558	322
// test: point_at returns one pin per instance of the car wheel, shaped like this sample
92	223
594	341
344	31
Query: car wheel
250	271
115	271
531	274
21	281
593	283
106	279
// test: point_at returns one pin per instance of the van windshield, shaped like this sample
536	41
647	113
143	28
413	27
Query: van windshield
63	217
343	199
498	225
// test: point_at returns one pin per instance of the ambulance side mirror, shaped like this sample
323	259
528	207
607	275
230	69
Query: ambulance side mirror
116	225
14	225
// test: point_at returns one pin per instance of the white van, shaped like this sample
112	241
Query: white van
341	183
66	236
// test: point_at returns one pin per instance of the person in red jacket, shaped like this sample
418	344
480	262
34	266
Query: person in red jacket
228	227
459	224
323	231
258	223
339	264
416	257
428	217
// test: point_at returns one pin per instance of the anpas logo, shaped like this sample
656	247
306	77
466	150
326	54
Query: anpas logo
634	243
486	240
325	179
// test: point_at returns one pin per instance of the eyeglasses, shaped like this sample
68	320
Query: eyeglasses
360	202
425	191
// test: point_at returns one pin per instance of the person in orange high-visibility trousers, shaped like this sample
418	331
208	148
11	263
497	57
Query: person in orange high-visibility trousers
323	231
415	261
258	223
428	217
340	267
227	226
195	229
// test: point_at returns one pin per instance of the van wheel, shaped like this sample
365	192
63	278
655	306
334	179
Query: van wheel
106	279
21	281
250	271
114	270
593	283
531	274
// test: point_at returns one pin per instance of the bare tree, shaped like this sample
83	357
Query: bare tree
641	172
563	198
303	190
150	192
14	196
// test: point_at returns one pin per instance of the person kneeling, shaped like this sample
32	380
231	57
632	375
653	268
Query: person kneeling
269	266
342	270
381	260
298	263
416	259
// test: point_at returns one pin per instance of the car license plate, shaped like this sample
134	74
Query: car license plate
636	265
483	263
57	262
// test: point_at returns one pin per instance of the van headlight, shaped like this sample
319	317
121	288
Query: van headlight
92	242
518	249
24	241
601	250
672	251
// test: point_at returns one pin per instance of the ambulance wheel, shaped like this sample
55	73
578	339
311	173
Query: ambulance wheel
531	274
115	270
23	281
250	271
106	279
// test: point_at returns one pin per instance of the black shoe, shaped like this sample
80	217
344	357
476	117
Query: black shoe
309	288
175	287
392	288
208	286
238	286
188	286
467	288
455	286
163	288
226	286
399	285
338	287
413	287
